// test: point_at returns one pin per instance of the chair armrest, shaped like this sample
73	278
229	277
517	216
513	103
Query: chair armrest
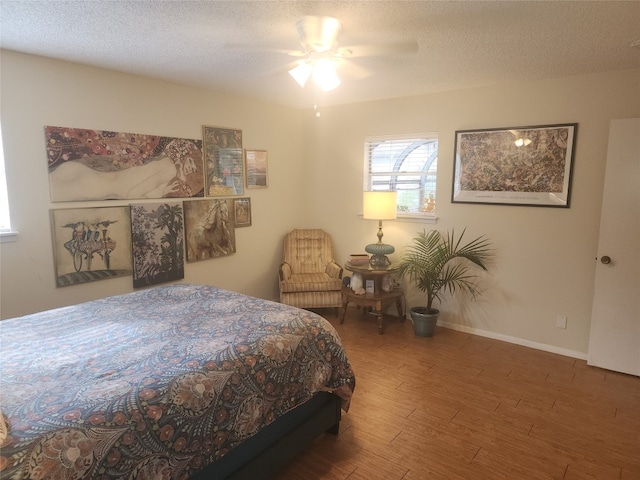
284	271
334	270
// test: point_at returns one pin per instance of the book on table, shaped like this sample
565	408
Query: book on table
358	259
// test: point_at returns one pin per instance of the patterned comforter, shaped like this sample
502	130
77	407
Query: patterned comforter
157	383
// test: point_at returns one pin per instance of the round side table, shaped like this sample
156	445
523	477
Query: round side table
379	301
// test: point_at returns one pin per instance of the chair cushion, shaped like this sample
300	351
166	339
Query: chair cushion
308	250
305	282
312	299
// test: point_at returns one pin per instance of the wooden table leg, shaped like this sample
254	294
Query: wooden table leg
379	312
380	316
400	309
345	302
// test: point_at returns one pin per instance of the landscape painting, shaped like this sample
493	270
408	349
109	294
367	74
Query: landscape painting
157	237
256	168
210	228
103	165
91	244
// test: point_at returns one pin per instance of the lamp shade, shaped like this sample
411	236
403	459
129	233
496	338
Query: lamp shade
324	75
379	205
301	72
322	70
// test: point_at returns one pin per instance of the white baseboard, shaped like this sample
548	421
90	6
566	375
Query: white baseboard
515	340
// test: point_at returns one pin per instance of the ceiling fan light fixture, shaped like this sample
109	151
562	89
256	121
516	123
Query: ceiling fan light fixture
324	75
301	72
522	142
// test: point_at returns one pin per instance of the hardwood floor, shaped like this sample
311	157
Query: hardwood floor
459	406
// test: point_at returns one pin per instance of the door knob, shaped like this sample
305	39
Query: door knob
605	260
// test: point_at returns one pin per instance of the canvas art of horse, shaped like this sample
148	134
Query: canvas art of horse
212	234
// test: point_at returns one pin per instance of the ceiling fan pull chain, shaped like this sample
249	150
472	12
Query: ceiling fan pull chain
316	106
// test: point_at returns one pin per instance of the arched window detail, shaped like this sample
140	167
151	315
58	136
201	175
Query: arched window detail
407	165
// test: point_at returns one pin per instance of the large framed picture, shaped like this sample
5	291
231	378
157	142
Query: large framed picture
91	244
157	239
515	166
89	165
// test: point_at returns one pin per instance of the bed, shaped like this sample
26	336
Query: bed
176	381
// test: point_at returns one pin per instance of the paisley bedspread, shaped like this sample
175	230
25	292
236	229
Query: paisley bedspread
157	383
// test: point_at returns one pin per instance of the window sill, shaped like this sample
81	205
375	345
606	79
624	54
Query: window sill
413	218
417	218
7	237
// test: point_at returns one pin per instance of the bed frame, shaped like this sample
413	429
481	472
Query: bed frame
261	456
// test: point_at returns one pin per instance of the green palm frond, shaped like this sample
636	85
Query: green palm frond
437	263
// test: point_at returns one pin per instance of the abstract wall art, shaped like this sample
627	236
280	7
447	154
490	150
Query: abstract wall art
515	165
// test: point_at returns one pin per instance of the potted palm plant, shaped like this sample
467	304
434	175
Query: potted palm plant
439	263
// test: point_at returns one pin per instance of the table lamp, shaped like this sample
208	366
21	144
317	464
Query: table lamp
379	206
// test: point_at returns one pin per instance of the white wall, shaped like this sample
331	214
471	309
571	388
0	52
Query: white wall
545	260
36	92
546	257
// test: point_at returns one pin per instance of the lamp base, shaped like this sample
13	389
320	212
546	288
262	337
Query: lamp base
378	261
379	251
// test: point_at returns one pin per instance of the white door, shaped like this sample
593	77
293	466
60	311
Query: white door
614	340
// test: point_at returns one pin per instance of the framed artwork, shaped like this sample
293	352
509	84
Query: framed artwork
242	211
515	166
91	244
224	171
209	228
103	165
255	163
157	238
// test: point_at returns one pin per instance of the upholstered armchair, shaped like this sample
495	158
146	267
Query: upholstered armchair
309	277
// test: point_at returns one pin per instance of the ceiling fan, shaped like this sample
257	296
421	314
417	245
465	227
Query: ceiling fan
321	55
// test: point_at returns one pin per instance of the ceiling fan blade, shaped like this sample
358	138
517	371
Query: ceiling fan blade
318	33
279	70
353	70
380	49
246	47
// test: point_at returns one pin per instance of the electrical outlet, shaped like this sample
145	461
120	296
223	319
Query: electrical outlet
561	321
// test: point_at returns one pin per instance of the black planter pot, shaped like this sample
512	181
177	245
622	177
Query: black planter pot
424	321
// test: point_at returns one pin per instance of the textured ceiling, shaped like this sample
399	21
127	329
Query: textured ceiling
240	46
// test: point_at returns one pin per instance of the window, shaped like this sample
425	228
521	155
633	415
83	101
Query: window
407	164
5	223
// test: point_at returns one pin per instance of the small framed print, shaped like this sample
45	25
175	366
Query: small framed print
242	211
255	164
370	286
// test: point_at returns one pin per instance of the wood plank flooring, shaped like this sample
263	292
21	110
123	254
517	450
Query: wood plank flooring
459	406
